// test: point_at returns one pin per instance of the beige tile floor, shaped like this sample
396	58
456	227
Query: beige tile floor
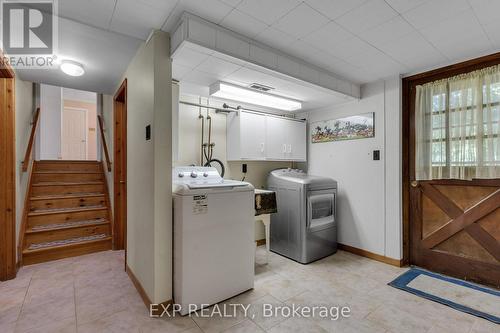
92	293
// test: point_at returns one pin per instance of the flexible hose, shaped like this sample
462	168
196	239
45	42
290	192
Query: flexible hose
222	168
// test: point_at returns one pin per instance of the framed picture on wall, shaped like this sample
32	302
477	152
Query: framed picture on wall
348	128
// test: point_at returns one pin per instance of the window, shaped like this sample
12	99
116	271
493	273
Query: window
457	127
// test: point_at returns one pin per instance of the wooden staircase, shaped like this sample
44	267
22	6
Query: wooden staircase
67	213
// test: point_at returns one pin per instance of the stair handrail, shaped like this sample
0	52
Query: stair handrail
31	141
104	145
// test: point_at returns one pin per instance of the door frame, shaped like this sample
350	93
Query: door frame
120	164
86	129
408	112
8	265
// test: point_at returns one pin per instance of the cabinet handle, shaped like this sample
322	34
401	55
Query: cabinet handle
262	147
284	148
290	148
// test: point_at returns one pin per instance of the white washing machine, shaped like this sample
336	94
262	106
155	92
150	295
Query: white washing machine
214	248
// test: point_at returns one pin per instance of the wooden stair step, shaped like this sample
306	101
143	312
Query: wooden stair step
49	211
68	183
67	196
66	225
66	176
65	172
63	242
67	250
65	210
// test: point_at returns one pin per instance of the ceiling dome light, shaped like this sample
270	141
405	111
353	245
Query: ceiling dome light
72	68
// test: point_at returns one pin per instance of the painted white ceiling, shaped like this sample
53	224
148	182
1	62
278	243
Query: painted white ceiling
361	40
201	67
104	54
79	95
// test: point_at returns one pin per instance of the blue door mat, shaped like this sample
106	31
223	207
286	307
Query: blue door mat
461	295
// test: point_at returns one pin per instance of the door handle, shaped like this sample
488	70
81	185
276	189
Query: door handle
414	183
122	182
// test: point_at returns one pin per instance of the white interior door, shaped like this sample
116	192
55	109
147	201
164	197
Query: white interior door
74	134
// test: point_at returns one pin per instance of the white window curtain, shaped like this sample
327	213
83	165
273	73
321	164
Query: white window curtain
457	127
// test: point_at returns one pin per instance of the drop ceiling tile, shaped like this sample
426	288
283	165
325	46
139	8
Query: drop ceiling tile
243	24
486	10
414	51
334	9
179	71
153	13
267	11
232	3
188	57
249	76
459	36
327	37
431	12
402	6
390	30
492	30
367	16
200	78
211	10
275	38
97	13
217	66
301	21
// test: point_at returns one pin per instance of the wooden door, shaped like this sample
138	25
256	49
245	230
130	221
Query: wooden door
450	226
456	228
74	134
120	168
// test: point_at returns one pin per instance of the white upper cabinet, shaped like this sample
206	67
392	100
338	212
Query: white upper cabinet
252	136
246	136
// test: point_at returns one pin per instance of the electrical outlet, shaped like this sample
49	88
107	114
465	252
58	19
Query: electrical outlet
244	168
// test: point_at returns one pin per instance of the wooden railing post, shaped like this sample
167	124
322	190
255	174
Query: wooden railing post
27	155
104	145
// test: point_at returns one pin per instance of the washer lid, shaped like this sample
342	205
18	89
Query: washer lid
299	176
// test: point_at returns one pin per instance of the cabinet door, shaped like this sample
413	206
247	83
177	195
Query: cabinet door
252	136
276	138
296	140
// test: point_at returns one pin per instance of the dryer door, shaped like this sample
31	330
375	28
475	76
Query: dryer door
320	210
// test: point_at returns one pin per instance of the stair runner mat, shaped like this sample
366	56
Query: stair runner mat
66	241
57	210
66	224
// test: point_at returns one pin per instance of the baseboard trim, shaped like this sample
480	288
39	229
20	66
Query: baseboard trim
260	242
144	296
371	255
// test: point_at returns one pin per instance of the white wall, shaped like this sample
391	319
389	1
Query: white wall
24	116
50	122
369	200
190	140
149	188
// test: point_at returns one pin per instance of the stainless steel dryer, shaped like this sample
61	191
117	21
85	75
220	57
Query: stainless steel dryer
304	228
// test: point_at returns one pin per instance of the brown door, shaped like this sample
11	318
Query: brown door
456	228
120	168
451	226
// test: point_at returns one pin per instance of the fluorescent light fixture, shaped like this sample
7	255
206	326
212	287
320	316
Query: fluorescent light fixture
245	95
72	68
